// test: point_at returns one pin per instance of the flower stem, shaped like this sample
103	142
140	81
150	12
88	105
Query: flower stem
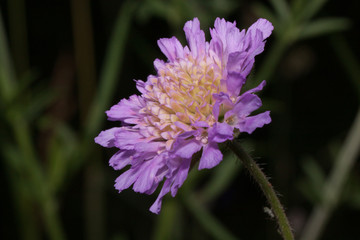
266	187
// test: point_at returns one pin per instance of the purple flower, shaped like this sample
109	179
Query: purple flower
191	105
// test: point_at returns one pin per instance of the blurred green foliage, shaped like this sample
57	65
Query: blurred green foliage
62	64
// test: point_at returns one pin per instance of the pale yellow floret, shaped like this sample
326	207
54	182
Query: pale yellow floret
182	92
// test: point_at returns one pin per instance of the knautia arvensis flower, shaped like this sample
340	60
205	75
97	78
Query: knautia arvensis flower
191	105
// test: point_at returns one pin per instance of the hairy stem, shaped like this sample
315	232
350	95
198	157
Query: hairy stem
266	187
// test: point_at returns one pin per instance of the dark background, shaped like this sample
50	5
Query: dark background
56	182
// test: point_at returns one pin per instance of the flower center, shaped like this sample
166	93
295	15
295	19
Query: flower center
181	95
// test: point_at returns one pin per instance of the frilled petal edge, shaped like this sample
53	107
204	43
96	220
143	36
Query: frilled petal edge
180	176
185	148
221	132
211	156
234	83
253	122
156	207
120	159
145	176
171	47
126	110
195	37
264	26
107	138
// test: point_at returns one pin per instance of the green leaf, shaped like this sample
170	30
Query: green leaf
297	6
13	157
351	194
313	182
23	192
208	221
310	9
348	59
323	26
61	155
281	8
263	11
39	100
162	9
225	172
168	220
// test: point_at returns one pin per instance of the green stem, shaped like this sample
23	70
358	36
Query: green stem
31	167
266	187
28	228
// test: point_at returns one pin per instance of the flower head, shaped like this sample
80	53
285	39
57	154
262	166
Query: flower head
192	104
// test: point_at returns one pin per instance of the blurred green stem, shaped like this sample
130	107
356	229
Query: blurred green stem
271	60
334	185
222	177
110	71
30	166
28	227
167	221
94	207
94	198
266	187
348	60
22	203
42	194
211	224
111	68
84	54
